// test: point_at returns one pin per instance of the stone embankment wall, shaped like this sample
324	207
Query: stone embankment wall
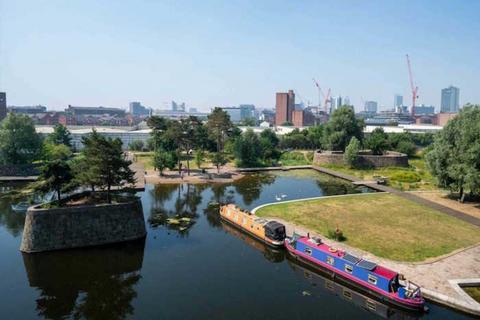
82	226
390	159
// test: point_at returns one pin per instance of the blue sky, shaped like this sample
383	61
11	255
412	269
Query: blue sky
222	53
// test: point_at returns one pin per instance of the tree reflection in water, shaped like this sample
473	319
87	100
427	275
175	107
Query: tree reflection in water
183	211
250	186
91	283
334	186
12	221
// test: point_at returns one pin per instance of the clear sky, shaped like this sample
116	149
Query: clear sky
223	53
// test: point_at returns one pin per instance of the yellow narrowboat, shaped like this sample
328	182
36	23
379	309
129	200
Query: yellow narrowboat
270	232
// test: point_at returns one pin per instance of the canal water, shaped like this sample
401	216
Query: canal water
200	269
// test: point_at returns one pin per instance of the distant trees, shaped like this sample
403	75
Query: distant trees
164	159
454	159
342	126
19	142
136	145
60	135
247	149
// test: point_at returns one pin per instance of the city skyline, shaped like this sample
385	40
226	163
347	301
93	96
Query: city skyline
225	54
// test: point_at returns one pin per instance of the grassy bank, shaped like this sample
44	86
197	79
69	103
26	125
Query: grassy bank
414	177
383	224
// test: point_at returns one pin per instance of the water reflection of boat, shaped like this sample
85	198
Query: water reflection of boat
271	254
269	232
326	284
365	276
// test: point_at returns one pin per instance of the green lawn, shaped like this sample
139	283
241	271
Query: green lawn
381	223
415	177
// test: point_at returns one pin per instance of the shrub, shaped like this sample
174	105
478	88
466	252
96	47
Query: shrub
408	176
336	234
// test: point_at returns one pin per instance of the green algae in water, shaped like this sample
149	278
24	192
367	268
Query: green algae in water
473	292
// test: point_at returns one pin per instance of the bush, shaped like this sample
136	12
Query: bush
336	235
409	177
136	145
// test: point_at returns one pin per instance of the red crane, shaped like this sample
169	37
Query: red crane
413	87
320	94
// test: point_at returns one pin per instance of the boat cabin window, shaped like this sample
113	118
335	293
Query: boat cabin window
308	251
372	279
348	268
244	220
330	260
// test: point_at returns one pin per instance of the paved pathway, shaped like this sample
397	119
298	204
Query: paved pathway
433	276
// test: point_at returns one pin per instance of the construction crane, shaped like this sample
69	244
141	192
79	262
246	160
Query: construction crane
413	87
320	94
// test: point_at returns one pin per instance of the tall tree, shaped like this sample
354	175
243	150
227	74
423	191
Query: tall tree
454	159
269	145
55	176
341	127
19	142
113	166
219	127
60	135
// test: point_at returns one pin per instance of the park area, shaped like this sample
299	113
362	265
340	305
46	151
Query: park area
383	224
416	177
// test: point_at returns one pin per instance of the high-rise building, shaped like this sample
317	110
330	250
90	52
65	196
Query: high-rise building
335	103
3	105
371	106
178	106
234	113
136	109
284	106
302	118
397	102
450	99
247	111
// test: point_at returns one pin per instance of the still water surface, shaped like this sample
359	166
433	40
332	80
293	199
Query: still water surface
207	271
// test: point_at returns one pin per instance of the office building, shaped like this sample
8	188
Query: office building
3	105
371	106
424	110
136	109
450	99
302	118
335	103
284	106
397	100
234	113
178	106
247	111
27	109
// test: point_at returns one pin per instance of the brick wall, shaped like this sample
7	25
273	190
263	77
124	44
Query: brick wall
390	159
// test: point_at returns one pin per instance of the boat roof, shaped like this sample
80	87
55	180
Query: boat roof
362	263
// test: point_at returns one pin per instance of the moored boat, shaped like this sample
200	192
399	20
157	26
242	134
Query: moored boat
380	282
269	232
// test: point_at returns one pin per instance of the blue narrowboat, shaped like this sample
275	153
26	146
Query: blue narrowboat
380	282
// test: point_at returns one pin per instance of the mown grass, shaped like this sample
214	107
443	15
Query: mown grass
383	224
414	177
